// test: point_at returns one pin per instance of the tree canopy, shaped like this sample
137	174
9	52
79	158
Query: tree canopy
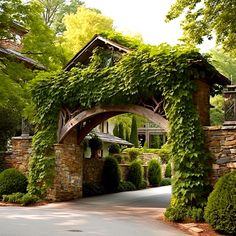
82	26
204	18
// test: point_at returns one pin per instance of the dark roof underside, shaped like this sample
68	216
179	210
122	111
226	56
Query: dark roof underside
19	57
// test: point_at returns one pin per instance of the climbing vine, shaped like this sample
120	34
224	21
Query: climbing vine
161	71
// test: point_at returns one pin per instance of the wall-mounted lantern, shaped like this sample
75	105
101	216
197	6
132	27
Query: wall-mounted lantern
230	105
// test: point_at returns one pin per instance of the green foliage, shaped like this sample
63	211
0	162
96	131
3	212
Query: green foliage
220	211
217	113
116	130
205	18
134	133
114	148
111	174
154	172
144	184
12	181
161	71
133	153
21	198
126	186
121	131
92	189
175	214
168	170
224	63
165	182
118	157
165	152
135	174
95	143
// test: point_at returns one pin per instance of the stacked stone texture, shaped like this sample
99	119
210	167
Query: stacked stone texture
221	142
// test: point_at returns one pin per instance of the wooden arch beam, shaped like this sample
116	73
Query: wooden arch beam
93	112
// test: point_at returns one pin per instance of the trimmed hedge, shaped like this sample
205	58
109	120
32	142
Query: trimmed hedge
135	174
154	172
168	170
111	175
220	211
12	181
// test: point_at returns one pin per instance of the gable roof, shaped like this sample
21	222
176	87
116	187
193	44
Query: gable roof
212	76
86	52
7	52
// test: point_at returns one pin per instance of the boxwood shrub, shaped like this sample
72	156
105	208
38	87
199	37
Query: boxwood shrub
135	174
154	172
111	175
220	211
12	181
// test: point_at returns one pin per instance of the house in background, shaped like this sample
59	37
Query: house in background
152	135
10	48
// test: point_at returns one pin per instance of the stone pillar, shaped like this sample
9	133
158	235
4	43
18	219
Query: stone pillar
68	173
21	152
68	170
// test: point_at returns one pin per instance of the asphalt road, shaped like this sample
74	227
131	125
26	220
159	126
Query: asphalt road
123	214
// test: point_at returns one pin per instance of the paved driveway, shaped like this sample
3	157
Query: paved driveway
122	214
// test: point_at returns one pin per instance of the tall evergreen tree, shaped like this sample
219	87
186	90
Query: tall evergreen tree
116	130
134	132
121	131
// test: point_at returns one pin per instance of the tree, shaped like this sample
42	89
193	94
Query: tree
82	26
41	42
10	12
206	18
116	130
55	10
121	131
224	63
134	132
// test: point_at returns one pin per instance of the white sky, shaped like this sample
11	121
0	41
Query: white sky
146	17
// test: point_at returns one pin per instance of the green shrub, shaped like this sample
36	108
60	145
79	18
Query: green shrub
165	152
135	174
154	172
118	157
220	211
144	184
126	186
95	143
133	154
28	199
176	214
165	182
92	189
111	174
168	170
114	148
14	197
12	181
24	199
196	214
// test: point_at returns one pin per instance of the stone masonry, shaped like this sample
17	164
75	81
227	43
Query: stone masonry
21	152
68	177
221	142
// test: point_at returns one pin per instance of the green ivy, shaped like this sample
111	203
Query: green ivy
162	71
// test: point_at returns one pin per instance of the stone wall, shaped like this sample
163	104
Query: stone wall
18	158
221	142
92	170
